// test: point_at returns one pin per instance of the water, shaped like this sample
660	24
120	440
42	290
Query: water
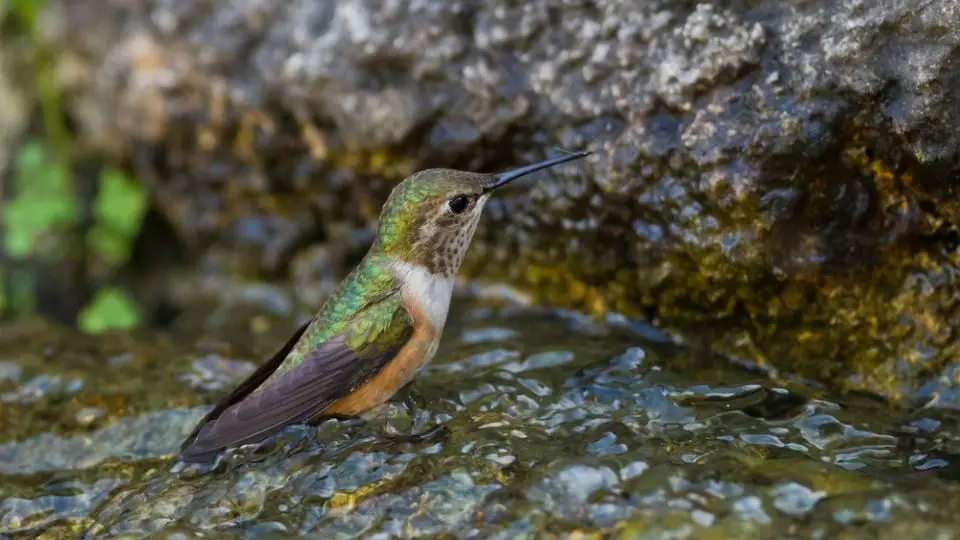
552	425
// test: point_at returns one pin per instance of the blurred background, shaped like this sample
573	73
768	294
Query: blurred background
70	221
760	170
750	288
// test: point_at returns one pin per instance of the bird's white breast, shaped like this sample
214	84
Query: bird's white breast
430	291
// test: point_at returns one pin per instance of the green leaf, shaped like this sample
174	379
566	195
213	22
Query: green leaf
27	220
121	203
18	240
39	174
30	161
111	247
28	11
110	309
43	203
119	210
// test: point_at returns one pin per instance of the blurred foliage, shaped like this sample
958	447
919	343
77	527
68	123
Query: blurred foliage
26	13
39	223
44	207
110	309
43	213
118	211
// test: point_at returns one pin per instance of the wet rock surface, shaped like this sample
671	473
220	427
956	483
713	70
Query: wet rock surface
555	425
776	177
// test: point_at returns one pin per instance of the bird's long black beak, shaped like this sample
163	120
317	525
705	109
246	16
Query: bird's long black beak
502	179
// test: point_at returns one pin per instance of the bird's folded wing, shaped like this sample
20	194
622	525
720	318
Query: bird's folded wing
331	370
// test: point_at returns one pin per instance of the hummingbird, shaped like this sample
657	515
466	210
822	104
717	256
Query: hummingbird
379	327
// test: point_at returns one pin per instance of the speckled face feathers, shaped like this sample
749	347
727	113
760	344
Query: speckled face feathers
430	218
418	225
444	238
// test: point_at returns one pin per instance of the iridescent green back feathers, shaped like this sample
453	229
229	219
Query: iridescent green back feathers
369	290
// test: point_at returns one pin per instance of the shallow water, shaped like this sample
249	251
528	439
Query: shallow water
554	425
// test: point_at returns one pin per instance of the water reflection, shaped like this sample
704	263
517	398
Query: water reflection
552	423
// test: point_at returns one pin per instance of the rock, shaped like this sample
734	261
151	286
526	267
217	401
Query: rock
773	177
624	435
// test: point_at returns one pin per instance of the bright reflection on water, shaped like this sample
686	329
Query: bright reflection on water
553	425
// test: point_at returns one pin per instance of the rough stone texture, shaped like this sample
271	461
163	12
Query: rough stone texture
554	426
779	174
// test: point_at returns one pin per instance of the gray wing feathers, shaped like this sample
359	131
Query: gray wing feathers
328	373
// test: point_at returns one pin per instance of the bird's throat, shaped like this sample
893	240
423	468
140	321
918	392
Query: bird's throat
424	292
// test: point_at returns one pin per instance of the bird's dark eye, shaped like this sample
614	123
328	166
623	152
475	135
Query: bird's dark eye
458	204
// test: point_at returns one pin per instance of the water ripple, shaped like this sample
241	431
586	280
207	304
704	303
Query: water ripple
550	424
